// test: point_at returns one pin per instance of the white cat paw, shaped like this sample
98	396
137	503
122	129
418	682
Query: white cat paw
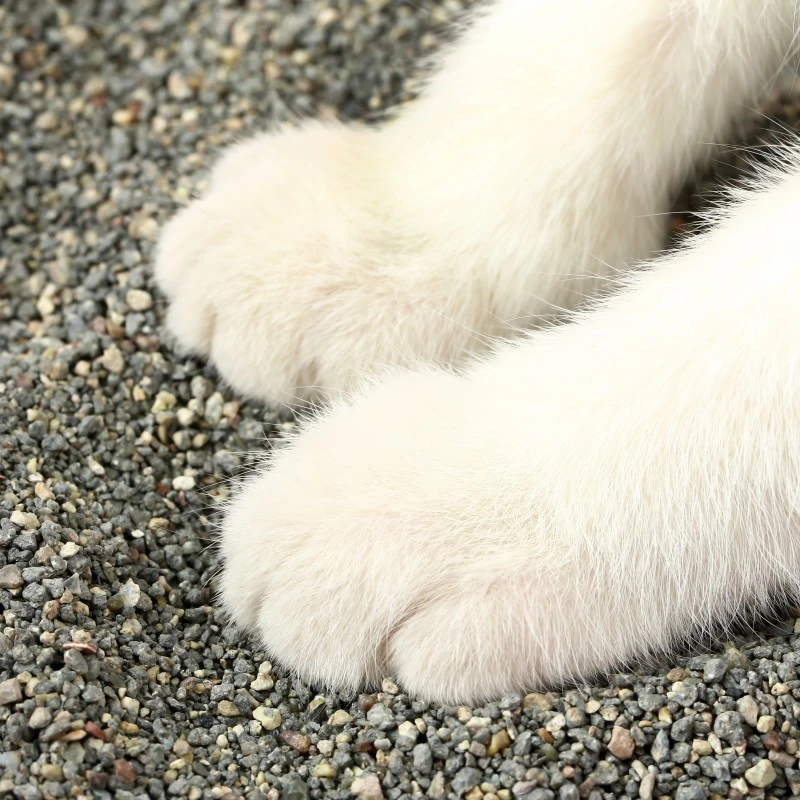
398	535
296	273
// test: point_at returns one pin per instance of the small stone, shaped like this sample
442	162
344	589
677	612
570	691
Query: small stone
736	659
728	726
367	787
177	86
94	731
293	788
651	702
765	723
647	786
682	729
25	520
131	627
69	549
164	401
324	770
340	718
186	417
138	299
56	729
75	35
436	791
660	748
40	718
407	734
605	774
748	708
124	771
112	360
270	718
130	593
691	790
498	742
95	467
422	758
213	410
142	226
76	661
536	702
465	779
475	724
46	121
228	709
10	577
51	772
715	670
622	744
761	774
380	717
297	741
702	747
10	692
124	116
183	483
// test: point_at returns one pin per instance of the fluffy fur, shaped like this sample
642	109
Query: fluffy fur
570	499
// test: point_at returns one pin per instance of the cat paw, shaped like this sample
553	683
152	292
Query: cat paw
399	534
296	272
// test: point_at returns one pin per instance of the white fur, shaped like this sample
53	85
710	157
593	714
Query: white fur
575	498
545	152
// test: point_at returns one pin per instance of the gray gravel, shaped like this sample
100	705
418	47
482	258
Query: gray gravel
117	676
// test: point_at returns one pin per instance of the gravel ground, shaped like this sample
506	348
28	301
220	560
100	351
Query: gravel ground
117	675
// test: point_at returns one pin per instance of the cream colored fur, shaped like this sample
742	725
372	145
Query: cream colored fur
573	498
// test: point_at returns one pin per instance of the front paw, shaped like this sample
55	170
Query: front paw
397	535
296	275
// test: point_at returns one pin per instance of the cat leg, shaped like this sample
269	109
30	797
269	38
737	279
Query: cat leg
539	160
573	500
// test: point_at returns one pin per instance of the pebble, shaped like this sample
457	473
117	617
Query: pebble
270	718
228	709
47	121
715	670
748	708
183	483
10	577
465	779
622	744
10	691
765	723
112	360
324	770
498	742
139	299
40	718
177	86
661	747
24	520
340	718
367	787
728	726
380	717
691	790
761	774
297	741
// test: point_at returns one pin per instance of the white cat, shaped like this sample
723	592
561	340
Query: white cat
566	500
